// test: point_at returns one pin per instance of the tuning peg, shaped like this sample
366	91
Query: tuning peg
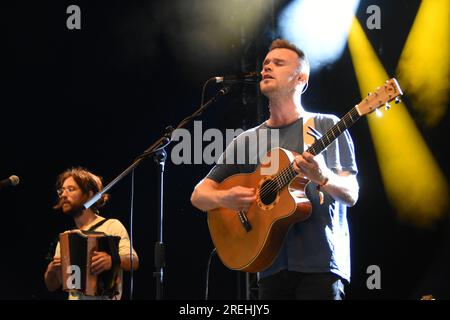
369	93
378	113
397	100
387	106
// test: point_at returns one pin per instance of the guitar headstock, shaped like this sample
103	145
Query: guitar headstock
381	97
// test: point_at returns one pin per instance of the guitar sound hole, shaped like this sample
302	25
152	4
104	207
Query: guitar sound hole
268	192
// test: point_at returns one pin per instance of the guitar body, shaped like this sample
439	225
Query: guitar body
253	246
250	241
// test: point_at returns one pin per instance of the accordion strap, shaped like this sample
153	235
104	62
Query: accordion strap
98	224
114	253
52	246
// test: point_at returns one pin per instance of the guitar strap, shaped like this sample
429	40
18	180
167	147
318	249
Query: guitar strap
311	130
302	139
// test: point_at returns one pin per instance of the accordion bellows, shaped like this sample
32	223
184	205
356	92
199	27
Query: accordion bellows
77	249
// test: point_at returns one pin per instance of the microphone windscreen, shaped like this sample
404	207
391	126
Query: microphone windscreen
14	180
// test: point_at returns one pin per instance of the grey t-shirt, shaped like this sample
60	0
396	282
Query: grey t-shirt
321	243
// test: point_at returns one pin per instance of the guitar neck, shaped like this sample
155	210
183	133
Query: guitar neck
383	95
284	177
334	132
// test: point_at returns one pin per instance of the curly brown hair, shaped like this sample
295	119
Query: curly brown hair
87	181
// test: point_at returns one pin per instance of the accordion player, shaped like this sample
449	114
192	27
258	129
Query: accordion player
77	249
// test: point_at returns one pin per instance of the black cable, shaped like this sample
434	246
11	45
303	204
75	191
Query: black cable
164	142
197	113
213	252
131	234
203	90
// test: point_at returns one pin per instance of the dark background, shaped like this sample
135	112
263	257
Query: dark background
99	96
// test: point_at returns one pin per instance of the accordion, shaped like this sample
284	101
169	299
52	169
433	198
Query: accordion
77	249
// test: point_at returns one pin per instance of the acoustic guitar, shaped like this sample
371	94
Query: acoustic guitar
250	241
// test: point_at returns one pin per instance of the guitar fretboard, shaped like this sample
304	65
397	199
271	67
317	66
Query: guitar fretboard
285	176
334	132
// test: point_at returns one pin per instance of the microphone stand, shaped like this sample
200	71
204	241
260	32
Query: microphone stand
157	151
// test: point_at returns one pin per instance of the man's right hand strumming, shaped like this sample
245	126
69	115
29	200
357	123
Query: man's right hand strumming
237	198
208	196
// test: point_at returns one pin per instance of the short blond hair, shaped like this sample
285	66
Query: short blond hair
284	44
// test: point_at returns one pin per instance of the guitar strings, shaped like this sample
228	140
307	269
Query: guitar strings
283	176
287	174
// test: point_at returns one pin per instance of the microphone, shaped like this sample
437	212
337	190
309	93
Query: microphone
248	77
11	181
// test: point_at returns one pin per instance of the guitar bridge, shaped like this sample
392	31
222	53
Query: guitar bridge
244	221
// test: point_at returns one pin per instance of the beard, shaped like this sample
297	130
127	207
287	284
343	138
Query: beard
73	210
270	89
266	88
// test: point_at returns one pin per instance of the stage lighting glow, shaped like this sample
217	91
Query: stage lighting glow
319	27
413	181
424	64
199	30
